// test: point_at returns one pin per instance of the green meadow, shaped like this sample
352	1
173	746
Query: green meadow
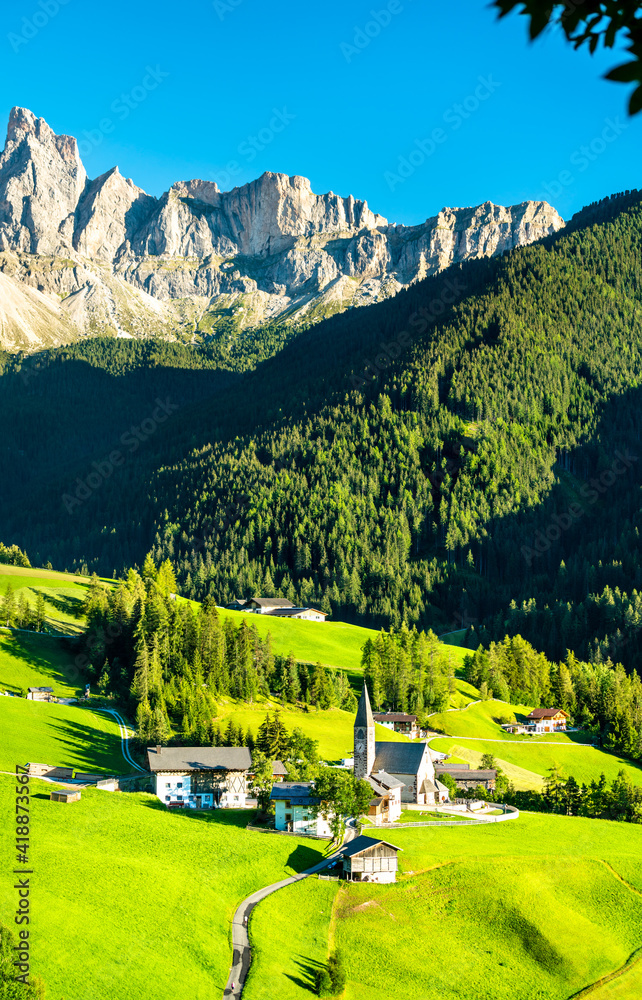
60	735
523	910
31	660
527	761
133	901
333	728
63	593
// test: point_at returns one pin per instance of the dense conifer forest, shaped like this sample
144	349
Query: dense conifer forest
463	455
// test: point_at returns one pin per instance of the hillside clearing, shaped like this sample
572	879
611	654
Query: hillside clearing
583	762
128	893
60	735
472	889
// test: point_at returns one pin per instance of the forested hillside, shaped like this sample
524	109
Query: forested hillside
473	442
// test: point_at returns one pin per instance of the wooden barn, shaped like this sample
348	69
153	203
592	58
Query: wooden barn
368	860
65	795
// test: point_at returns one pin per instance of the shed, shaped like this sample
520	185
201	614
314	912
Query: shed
65	795
368	860
40	694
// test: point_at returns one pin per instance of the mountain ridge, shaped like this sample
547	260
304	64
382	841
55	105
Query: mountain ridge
199	263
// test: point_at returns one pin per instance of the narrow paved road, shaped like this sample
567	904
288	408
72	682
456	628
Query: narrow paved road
124	737
240	940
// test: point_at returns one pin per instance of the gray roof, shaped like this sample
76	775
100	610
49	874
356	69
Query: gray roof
429	786
41	689
199	759
362	843
364	712
445	766
398	758
387	780
297	792
278	767
271	602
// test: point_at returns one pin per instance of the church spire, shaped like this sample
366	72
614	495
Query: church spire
364	712
364	737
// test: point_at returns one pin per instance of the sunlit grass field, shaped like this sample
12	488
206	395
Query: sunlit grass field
30	660
60	735
523	910
132	901
526	763
334	728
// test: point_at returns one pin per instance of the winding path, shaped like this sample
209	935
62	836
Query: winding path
242	955
124	738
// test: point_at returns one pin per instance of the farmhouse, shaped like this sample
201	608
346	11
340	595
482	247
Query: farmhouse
368	860
399	722
409	763
200	777
547	720
279	771
294	809
40	694
385	807
278	607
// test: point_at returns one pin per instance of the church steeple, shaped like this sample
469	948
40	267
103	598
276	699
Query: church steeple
364	737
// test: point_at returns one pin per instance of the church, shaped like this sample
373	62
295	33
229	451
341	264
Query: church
397	772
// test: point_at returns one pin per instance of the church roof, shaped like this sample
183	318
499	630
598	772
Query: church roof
364	712
398	758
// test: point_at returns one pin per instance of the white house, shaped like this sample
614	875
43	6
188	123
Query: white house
294	803
385	806
200	777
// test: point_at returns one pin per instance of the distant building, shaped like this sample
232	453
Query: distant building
368	860
279	607
200	777
40	694
65	795
399	722
547	720
466	779
279	771
294	809
385	807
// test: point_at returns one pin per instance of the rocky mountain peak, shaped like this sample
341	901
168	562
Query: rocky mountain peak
131	263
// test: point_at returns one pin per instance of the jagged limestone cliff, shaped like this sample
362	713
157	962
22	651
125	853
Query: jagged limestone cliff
102	256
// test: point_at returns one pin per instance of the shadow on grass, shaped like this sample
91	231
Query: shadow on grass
96	749
309	968
65	604
49	655
222	817
304	857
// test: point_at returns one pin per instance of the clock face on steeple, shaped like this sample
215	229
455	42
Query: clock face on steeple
360	746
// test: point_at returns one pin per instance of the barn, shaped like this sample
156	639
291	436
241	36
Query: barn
368	860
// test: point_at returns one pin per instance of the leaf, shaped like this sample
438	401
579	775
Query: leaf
626	73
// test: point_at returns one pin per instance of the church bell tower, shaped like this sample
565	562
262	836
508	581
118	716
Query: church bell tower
364	737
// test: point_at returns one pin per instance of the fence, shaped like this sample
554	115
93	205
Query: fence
511	813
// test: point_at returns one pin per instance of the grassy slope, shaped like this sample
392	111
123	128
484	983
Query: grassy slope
527	762
63	593
479	720
65	735
333	728
133	901
30	660
288	972
524	910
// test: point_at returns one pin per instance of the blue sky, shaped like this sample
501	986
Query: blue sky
361	104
